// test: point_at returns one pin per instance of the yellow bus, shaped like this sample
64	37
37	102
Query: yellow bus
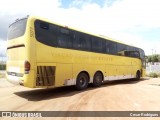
44	54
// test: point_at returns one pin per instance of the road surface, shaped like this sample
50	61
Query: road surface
126	95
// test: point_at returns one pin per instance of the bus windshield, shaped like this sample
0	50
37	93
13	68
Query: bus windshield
17	29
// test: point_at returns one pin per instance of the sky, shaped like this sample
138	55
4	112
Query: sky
135	22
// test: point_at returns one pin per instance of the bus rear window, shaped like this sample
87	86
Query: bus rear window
17	29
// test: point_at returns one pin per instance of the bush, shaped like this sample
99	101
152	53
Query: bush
2	66
154	75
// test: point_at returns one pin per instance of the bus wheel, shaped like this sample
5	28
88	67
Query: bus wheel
82	81
138	75
97	80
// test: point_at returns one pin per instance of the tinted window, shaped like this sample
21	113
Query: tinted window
132	54
81	41
111	47
130	48
121	47
46	33
64	38
17	29
103	46
57	36
96	44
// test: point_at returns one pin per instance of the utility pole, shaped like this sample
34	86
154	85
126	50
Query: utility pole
152	52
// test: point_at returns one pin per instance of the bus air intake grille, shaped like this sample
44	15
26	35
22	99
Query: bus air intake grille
45	76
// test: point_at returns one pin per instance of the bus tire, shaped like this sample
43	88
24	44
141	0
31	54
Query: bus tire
97	79
138	75
82	81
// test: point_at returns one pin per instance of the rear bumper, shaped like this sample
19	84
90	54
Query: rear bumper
27	80
15	80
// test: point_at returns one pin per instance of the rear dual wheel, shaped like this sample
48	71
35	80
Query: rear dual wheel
97	80
82	81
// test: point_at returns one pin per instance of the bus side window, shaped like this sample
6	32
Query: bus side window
64	38
88	42
81	41
44	25
130	48
46	33
85	42
96	44
76	42
121	48
111	47
103	46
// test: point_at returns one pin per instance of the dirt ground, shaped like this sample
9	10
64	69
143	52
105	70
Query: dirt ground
124	95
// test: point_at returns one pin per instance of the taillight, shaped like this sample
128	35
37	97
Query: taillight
27	66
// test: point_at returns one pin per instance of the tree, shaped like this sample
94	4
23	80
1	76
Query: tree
158	58
149	59
154	58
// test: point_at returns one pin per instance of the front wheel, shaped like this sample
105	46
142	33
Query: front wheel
82	81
